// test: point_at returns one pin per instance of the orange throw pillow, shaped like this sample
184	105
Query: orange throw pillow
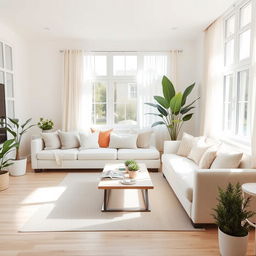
104	137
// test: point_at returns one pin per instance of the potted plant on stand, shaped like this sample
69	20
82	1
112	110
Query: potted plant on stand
45	125
172	108
231	216
17	130
5	148
132	170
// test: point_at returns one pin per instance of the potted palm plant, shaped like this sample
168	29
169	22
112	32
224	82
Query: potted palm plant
231	216
45	125
132	170
17	130
172	108
5	148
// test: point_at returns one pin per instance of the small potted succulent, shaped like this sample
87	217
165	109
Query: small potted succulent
231	216
45	125
132	170
127	162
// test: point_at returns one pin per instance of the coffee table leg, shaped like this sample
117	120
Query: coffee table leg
105	200
146	200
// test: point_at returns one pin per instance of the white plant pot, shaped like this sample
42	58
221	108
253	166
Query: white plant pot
47	131
18	168
232	245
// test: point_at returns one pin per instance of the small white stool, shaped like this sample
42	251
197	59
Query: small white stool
250	189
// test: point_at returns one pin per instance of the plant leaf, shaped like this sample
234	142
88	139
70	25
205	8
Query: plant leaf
187	117
14	121
191	103
157	123
175	103
185	110
151	104
168	88
187	91
162	101
162	110
160	115
23	125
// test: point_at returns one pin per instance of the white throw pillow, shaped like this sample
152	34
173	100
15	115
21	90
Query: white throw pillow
227	160
144	139
123	140
89	140
51	140
207	158
186	144
69	140
197	151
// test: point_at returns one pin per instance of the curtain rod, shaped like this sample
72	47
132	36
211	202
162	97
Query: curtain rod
179	51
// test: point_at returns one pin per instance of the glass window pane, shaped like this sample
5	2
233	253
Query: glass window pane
242	95
230	26
119	112
131	65
229	52
100	65
244	44
8	57
9	84
2	77
245	15
100	114
10	108
1	55
99	92
119	65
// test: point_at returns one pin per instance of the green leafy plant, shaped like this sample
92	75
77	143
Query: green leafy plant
17	130
45	124
231	212
5	148
128	162
172	108
133	167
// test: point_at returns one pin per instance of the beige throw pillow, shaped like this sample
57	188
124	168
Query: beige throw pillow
69	140
89	140
123	140
143	140
227	160
51	140
186	144
197	151
207	158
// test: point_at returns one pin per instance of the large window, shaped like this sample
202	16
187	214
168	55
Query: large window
113	78
237	87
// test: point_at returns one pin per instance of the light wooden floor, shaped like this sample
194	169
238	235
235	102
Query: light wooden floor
14	211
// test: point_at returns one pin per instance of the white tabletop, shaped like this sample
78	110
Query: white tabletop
249	188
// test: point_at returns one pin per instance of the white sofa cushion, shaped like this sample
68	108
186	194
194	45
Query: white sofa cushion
123	141
183	172
186	144
138	154
89	140
197	151
227	160
69	140
144	138
207	158
65	154
51	140
97	154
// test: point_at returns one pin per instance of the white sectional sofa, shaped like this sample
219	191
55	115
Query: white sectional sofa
197	189
89	158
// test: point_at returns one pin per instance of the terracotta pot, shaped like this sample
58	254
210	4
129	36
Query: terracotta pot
132	174
232	245
18	168
4	180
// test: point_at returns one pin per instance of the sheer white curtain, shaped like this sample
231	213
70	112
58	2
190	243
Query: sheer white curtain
73	89
211	91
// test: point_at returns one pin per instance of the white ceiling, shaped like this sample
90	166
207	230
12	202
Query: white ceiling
111	19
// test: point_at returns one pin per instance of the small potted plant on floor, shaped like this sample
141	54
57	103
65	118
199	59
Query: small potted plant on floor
45	125
5	148
127	162
231	216
132	170
17	130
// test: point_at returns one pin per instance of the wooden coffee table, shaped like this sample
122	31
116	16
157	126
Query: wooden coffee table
143	183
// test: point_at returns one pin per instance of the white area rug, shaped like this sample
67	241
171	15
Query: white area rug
75	205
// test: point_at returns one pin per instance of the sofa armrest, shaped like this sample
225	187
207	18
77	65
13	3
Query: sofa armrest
205	189
171	147
36	146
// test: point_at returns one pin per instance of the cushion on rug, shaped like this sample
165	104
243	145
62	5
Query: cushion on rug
89	140
51	140
104	137
69	140
227	160
123	141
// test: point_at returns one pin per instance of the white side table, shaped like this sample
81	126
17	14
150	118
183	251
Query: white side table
250	189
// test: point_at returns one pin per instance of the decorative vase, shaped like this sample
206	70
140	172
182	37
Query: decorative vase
132	174
18	168
47	131
4	180
232	245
